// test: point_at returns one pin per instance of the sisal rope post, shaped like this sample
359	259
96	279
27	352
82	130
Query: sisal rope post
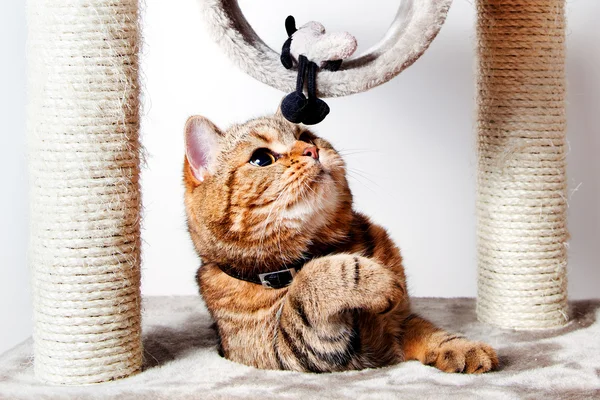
521	204
84	161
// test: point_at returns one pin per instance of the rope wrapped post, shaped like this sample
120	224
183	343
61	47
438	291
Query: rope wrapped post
521	205
83	123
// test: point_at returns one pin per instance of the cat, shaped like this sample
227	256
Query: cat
269	195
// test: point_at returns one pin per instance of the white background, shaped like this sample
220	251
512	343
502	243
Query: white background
413	167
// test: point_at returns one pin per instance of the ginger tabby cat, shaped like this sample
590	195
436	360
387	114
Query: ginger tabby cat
269	195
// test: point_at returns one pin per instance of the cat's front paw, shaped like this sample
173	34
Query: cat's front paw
347	281
457	354
379	287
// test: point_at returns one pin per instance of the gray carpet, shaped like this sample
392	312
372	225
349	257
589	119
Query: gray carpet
182	363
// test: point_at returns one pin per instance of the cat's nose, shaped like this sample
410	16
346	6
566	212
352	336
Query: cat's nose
311	151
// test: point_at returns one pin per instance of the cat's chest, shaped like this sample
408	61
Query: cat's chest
239	304
247	336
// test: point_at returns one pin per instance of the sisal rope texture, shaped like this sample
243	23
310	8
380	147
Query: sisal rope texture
84	158
521	207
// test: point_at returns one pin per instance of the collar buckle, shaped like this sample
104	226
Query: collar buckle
277	279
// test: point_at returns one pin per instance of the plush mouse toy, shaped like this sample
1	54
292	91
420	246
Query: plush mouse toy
310	48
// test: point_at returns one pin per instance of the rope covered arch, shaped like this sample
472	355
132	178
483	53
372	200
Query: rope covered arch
416	24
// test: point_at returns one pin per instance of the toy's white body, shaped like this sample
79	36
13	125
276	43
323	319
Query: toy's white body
311	41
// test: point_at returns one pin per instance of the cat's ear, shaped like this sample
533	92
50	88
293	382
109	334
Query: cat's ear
202	145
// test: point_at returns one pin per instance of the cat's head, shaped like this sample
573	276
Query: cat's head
263	191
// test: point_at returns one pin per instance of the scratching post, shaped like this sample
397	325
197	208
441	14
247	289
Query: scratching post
521	203
84	162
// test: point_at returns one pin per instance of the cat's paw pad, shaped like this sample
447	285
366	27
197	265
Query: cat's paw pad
457	354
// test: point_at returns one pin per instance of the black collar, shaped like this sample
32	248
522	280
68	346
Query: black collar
272	280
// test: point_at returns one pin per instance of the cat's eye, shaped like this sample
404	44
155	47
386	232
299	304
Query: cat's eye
306	138
262	158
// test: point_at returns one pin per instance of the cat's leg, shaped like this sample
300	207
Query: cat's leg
318	326
448	352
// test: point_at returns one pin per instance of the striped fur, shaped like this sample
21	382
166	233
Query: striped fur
348	307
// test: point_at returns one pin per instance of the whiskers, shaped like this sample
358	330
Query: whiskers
362	177
352	152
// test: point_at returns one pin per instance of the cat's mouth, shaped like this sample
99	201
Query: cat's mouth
314	203
321	178
313	194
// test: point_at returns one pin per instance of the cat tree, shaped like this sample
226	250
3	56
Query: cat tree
84	153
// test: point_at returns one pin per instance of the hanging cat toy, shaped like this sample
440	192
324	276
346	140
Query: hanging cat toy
310	49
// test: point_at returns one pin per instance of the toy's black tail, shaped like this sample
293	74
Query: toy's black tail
290	25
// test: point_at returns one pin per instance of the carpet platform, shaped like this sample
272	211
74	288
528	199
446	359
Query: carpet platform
181	362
